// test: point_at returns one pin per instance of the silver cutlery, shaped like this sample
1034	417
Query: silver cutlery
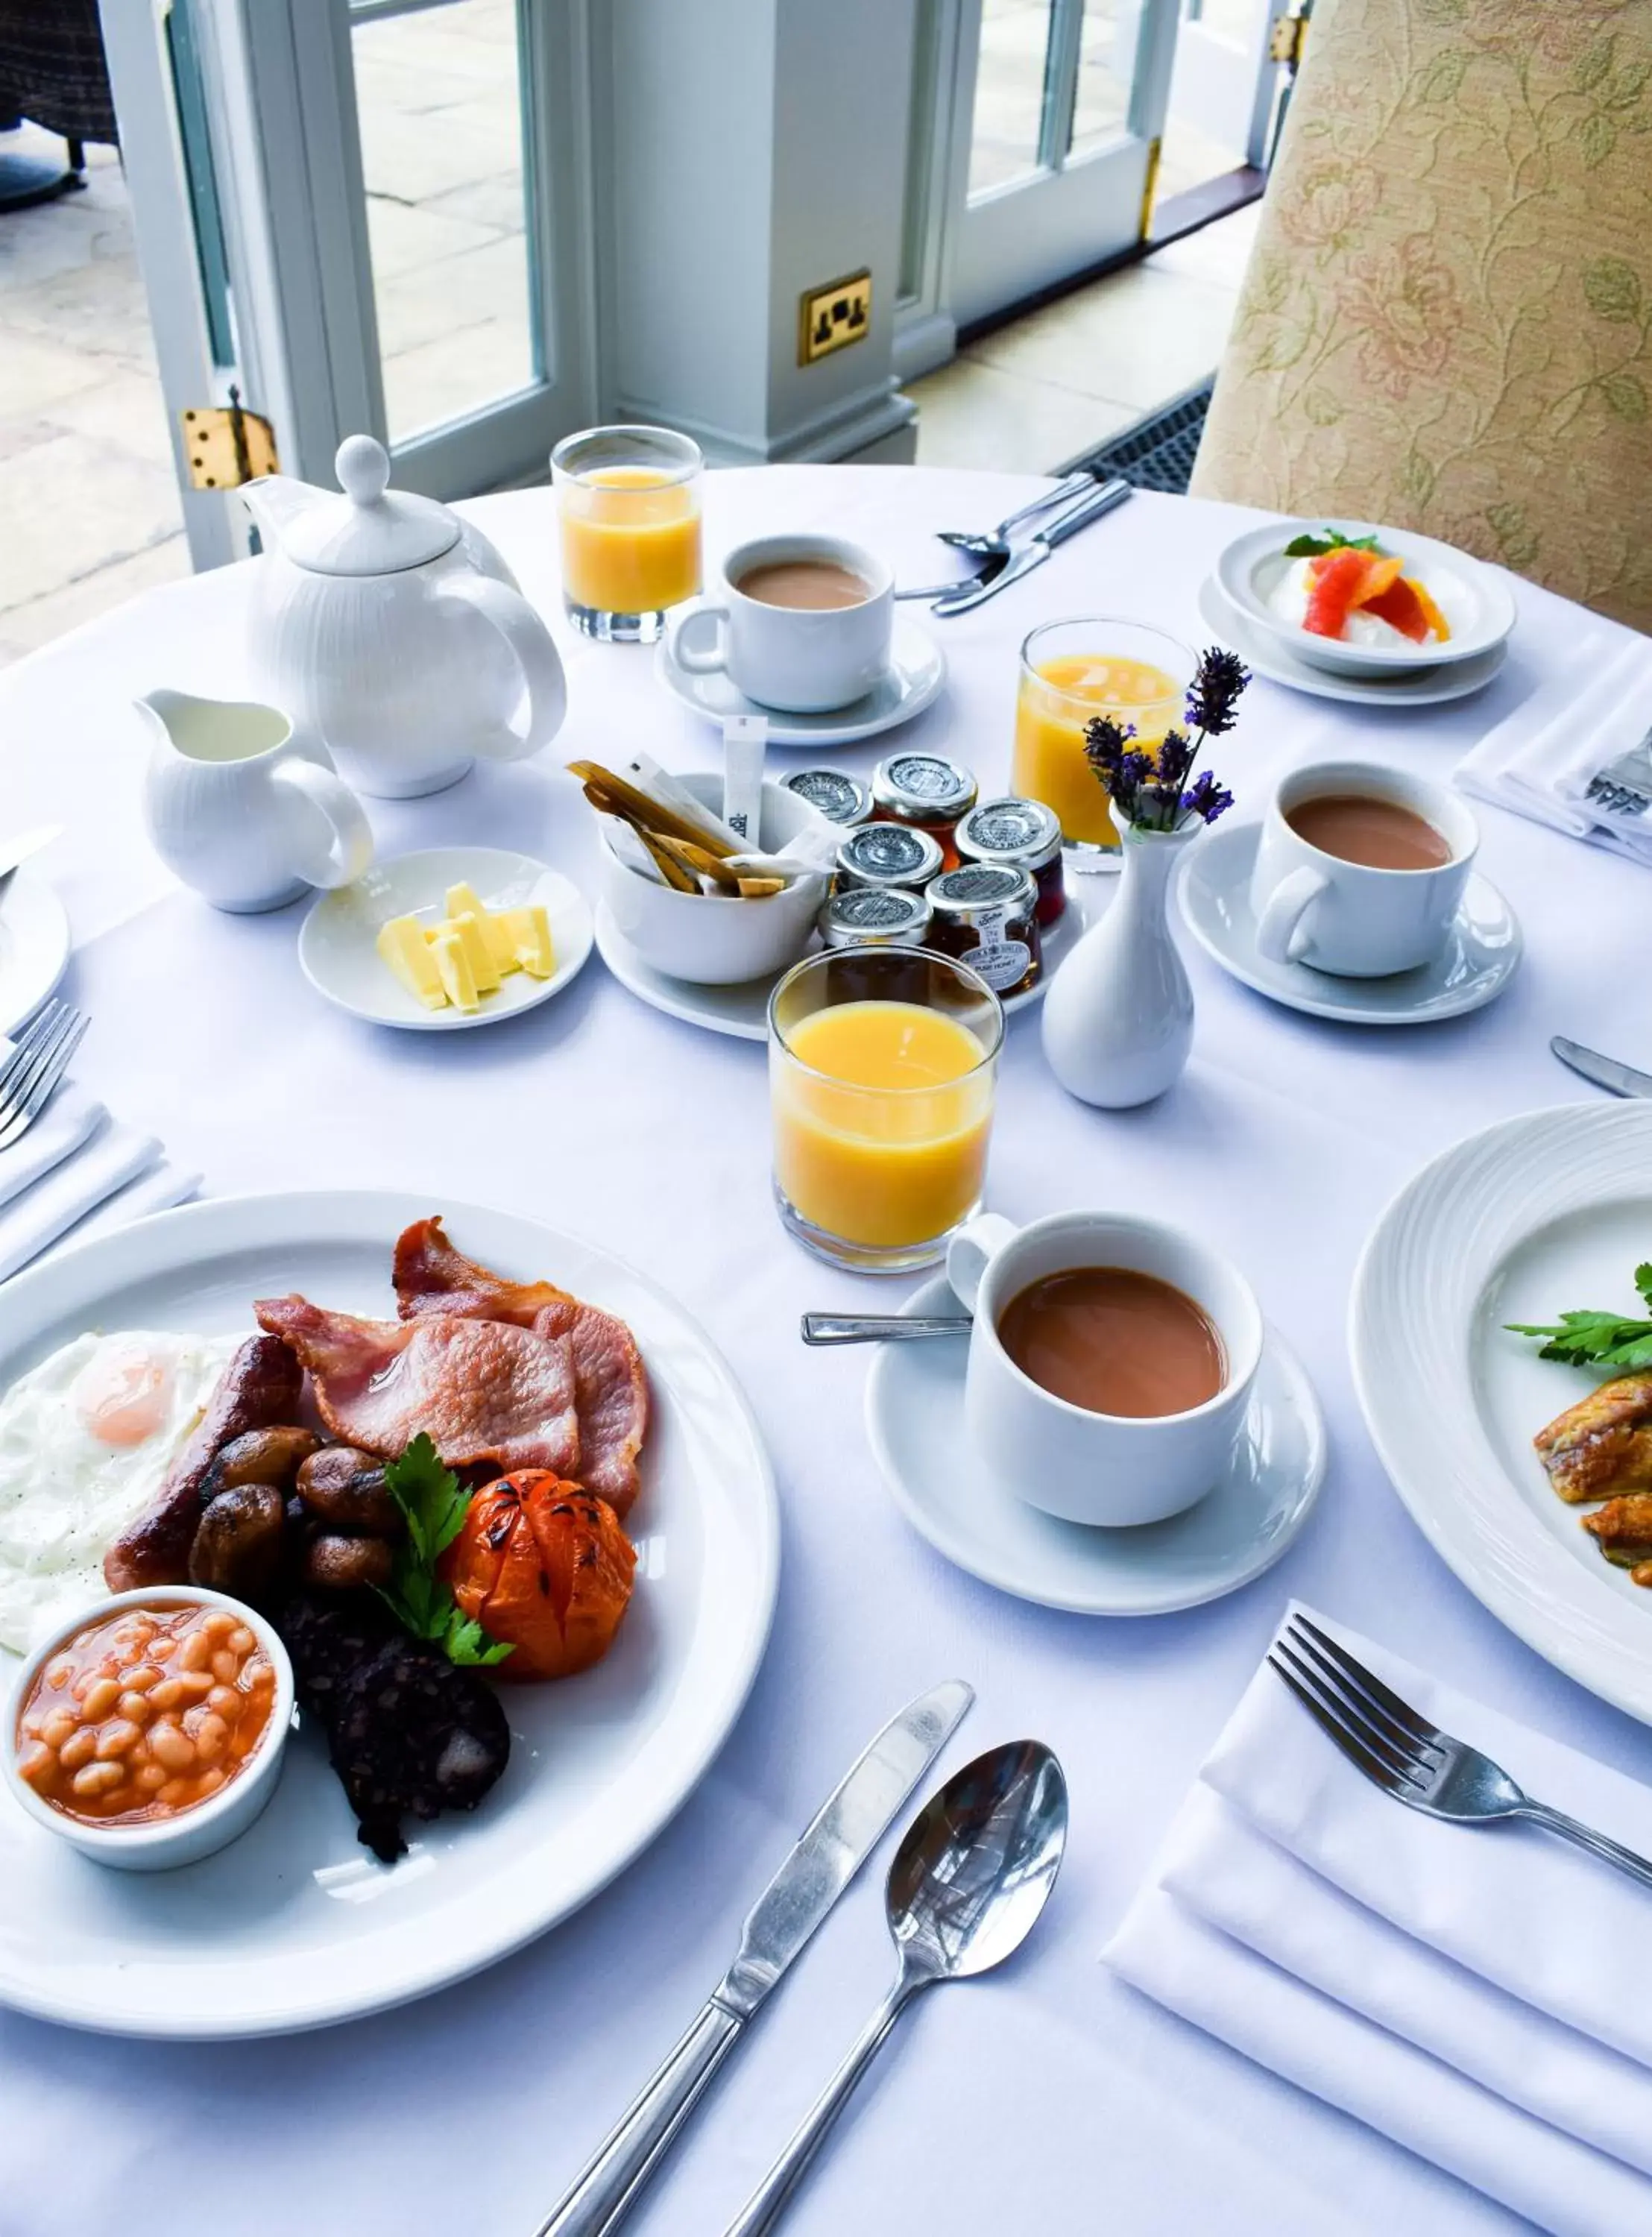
969	1881
1408	1757
995	551
881	1328
1037	548
37	1062
795	1901
1602	1071
997	540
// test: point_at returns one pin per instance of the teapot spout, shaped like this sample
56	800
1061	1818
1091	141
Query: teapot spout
275	500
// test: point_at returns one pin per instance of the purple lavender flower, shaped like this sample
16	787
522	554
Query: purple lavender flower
1175	759
1213	699
1205	798
1147	785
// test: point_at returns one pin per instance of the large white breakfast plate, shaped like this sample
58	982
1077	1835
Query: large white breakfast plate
1477	602
1536	1215
295	1926
34	946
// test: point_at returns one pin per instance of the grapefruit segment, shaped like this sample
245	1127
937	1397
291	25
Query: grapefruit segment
1334	583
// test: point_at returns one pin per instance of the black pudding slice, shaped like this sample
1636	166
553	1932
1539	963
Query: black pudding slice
409	1733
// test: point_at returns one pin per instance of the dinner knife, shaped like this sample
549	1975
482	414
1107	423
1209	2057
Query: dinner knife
779	1926
1037	550
1603	1071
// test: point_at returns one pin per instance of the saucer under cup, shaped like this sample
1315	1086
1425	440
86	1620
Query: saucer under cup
801	660
1085	1466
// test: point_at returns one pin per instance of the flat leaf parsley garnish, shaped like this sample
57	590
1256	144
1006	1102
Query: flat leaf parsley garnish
1585	1339
1315	547
432	1501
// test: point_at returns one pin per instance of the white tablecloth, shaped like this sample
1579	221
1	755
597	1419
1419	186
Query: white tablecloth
1049	2096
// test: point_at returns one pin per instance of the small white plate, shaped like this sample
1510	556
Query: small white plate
1477	605
337	949
1269	657
915	1420
1480	957
917	671
1534	1216
742	1010
34	948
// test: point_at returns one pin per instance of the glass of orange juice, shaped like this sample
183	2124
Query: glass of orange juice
627	510
1072	672
882	1063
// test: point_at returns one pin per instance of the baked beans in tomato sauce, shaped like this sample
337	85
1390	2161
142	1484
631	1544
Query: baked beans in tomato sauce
145	1714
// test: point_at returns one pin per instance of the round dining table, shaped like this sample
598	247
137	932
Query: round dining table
1049	2096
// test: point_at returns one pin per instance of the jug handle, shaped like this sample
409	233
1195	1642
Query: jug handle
544	687
347	850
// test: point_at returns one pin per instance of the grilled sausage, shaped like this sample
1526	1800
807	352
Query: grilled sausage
259	1389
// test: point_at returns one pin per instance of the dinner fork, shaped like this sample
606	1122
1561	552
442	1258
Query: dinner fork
992	553
1409	1758
38	1061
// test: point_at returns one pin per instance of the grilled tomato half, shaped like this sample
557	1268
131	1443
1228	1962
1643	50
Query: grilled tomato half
545	1565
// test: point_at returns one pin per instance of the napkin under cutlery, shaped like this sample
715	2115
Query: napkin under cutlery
1472	1992
78	1171
1578	754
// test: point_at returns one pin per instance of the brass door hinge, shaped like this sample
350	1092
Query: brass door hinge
1287	40
226	446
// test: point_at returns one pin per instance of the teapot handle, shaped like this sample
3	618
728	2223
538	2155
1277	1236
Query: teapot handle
347	849
544	688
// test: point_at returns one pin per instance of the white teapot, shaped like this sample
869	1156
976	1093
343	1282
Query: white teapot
394	630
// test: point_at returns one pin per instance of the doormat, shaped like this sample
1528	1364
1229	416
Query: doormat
1157	454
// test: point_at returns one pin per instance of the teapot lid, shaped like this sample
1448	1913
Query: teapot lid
371	530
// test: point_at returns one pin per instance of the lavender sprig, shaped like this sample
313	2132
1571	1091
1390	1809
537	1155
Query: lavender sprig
1150	789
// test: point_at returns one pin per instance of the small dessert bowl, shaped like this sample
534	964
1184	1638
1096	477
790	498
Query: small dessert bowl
193	1828
720	939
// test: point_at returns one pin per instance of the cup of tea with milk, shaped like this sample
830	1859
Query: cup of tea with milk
1111	1361
801	624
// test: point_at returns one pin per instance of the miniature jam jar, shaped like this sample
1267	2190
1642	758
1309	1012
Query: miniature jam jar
840	797
986	916
1026	835
888	855
925	792
875	916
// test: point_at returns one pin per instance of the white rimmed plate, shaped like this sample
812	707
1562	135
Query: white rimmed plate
336	941
741	1011
295	1926
34	948
1477	963
1476	603
1270	657
915	1421
1534	1216
916	672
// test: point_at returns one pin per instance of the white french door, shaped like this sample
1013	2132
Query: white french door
1063	120
1225	80
368	214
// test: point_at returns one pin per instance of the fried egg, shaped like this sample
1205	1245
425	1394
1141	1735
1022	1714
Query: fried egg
86	1442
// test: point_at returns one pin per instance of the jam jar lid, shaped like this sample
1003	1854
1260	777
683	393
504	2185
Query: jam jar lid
888	855
923	788
963	894
840	797
875	916
1009	830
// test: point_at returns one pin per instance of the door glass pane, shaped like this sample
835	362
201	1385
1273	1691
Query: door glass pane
1107	50
1009	91
439	92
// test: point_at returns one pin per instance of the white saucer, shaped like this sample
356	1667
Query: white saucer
336	941
742	1010
915	1420
34	948
1268	657
917	670
1480	958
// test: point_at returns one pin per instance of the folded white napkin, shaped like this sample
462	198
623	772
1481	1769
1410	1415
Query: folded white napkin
57	1133
1470	1992
110	1157
1542	760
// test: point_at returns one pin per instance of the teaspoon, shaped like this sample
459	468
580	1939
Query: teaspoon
880	1328
969	1881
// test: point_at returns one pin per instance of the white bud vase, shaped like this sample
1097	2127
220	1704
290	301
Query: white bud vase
1118	1017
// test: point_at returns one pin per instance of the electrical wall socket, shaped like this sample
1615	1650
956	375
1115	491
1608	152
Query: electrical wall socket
830	317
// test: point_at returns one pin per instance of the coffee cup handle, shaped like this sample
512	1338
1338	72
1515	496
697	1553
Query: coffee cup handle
714	656
973	1250
1281	921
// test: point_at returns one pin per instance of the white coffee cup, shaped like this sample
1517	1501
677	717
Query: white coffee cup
801	660
1347	918
1098	1469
